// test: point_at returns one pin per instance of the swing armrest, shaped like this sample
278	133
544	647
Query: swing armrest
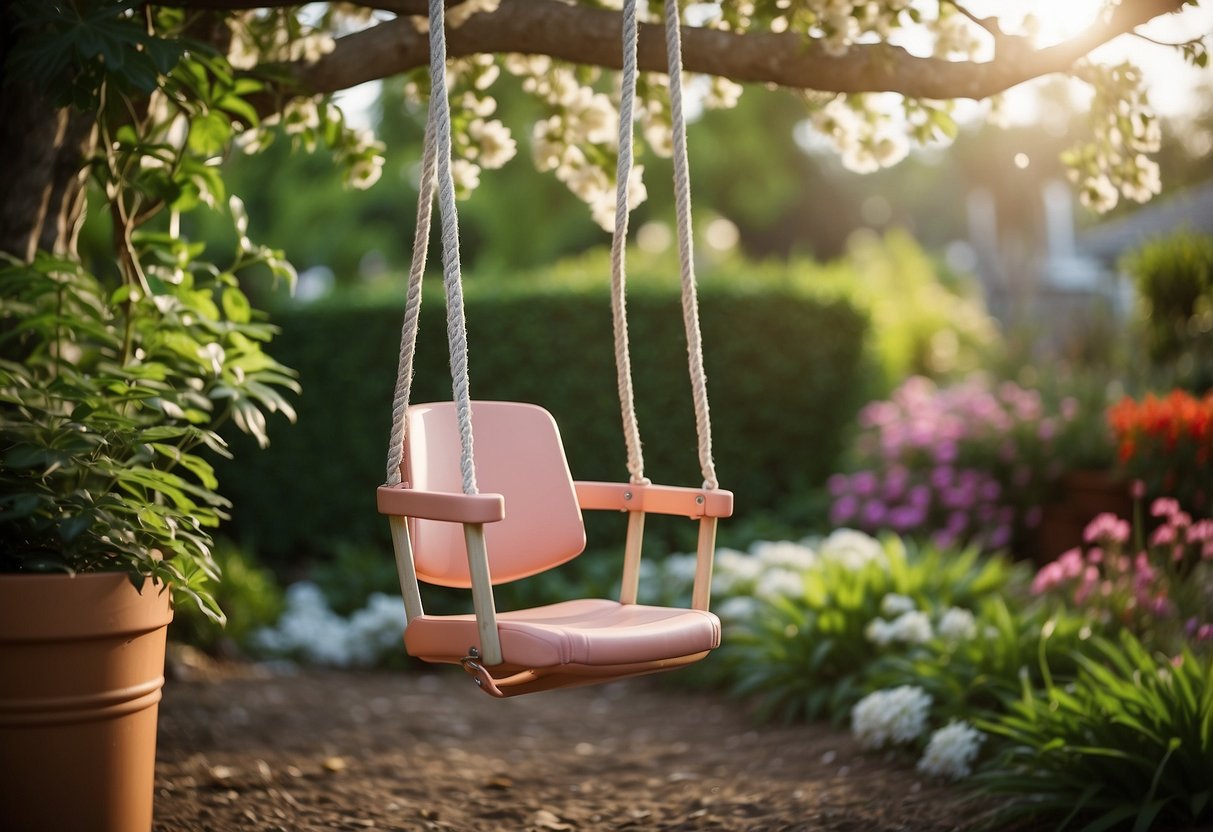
655	499
453	507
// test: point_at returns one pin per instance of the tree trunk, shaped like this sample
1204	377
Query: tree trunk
42	150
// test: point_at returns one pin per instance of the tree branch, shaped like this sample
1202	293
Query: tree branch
590	36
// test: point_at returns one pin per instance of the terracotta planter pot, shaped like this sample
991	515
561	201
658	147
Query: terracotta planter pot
82	661
1084	494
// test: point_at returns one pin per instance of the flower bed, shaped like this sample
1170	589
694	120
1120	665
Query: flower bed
969	463
1167	443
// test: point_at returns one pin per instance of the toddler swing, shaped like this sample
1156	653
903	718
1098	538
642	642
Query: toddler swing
447	531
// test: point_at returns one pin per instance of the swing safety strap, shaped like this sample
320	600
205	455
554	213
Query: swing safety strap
436	179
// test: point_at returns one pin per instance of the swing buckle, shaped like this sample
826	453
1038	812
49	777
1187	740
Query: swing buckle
484	680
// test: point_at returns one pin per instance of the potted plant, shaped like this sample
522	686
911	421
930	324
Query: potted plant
1167	443
113	383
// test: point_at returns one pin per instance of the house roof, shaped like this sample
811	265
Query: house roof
1191	209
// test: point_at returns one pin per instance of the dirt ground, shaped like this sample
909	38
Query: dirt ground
317	750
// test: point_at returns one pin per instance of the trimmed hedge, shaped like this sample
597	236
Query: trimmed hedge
785	377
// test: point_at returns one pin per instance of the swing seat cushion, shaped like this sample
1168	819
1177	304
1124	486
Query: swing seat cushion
592	632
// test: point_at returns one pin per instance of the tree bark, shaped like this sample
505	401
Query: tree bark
585	35
43	149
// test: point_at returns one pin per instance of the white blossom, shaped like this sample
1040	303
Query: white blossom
957	624
738	608
310	630
776	583
894	604
854	550
457	15
723	94
493	142
734	571
951	751
300	114
896	716
785	554
466	175
365	172
680	569
913	627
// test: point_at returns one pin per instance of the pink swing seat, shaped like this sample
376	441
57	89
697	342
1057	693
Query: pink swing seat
530	509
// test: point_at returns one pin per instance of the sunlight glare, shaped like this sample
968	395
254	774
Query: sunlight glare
1063	20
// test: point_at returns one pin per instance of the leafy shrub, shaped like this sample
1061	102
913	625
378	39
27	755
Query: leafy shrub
1174	278
785	376
249	595
798	618
1127	744
920	324
108	398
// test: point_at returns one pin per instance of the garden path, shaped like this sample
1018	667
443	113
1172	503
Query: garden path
323	750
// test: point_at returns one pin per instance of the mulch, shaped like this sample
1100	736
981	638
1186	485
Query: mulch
250	749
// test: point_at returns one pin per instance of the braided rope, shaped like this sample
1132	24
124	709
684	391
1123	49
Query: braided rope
456	324
682	205
623	175
412	304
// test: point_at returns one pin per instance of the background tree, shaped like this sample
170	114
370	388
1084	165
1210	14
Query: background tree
838	56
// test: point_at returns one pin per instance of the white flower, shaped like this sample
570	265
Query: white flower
912	628
957	624
723	94
1099	194
457	15
495	144
894	604
598	120
466	175
680	569
734	571
895	716
738	608
300	114
660	137
784	554
951	751
852	549
309	629
878	632
365	172
779	583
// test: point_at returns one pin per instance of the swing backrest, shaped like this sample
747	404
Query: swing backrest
518	455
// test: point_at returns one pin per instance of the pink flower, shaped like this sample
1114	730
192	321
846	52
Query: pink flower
1049	577
1070	563
1164	507
1090	578
1163	536
1106	528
